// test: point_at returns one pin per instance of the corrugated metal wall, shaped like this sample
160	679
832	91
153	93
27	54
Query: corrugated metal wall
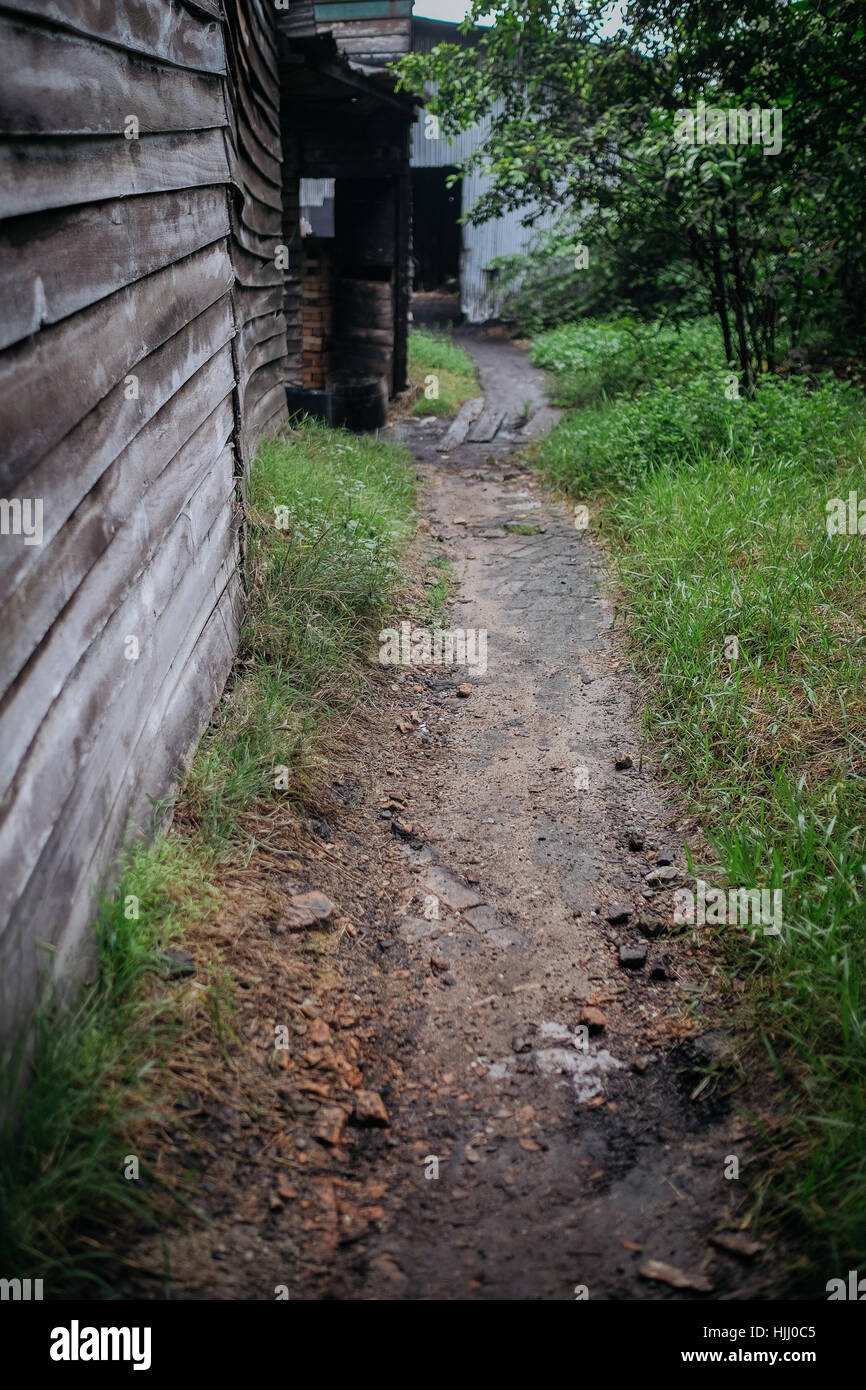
142	338
502	236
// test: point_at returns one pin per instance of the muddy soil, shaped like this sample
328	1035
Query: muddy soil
563	1111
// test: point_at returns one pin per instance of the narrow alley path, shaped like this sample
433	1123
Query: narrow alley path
506	1074
555	1072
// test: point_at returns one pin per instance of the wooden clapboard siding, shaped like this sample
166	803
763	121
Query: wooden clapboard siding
55	83
111	244
173	33
85	838
120	705
297	19
43	174
98	348
370	33
205	653
144	266
82	548
163	754
96	442
373	43
255	150
269	410
168	486
107	689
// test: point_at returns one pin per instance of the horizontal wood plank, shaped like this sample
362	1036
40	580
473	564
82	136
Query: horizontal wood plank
99	439
178	715
62	365
170	32
55	83
144	743
81	547
145	510
54	264
108	690
41	174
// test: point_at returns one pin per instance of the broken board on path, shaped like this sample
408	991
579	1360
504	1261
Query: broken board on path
459	427
487	424
542	422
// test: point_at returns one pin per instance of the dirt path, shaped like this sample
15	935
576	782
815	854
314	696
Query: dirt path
555	1143
553	1117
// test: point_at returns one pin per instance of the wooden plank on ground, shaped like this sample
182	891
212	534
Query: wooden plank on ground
487	424
460	425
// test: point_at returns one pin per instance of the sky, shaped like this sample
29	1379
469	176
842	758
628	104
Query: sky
441	9
455	10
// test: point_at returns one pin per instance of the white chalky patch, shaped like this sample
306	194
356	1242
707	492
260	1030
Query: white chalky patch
556	1030
551	1060
586	1069
587	1077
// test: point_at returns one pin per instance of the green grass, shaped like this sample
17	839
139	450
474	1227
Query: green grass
437	363
786	429
68	1100
317	586
316	589
595	360
440	586
716	511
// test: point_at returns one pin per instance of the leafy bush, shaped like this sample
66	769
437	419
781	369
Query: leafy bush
610	446
637	273
598	359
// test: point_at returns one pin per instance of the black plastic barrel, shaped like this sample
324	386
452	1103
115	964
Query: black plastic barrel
304	400
358	402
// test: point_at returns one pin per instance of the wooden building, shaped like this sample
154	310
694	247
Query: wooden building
152	275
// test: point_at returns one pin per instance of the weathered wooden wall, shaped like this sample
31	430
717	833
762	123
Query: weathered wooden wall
141	355
340	125
370	33
256	217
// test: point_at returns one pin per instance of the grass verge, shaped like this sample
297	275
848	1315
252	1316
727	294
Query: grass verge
329	517
439	365
717	511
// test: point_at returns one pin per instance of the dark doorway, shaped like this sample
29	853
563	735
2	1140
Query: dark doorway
436	236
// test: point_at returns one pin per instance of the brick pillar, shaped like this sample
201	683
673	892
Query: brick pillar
317	299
